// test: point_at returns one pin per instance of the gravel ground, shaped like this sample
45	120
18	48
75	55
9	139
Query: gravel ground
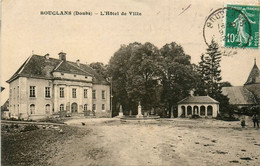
114	142
37	146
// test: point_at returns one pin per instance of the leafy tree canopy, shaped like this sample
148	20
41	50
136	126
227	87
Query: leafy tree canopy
100	68
142	72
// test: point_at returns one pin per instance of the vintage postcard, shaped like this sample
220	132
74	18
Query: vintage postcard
98	82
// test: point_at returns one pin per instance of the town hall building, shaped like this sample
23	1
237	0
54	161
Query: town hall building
44	86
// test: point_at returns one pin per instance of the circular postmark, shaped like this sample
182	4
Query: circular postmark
228	27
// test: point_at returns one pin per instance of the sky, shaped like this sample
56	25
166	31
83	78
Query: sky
96	38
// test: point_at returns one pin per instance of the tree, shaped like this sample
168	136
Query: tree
226	84
143	74
202	77
209	71
157	78
117	70
210	77
135	72
100	68
178	74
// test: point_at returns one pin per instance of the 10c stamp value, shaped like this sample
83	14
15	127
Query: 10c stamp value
233	26
242	28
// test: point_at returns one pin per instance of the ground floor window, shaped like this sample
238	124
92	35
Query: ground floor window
32	109
62	107
103	106
47	108
85	107
94	107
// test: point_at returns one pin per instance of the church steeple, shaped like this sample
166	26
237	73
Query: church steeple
254	76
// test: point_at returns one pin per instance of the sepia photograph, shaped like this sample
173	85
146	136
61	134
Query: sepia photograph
130	83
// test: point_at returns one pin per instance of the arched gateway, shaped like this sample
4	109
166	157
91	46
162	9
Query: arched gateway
74	108
204	106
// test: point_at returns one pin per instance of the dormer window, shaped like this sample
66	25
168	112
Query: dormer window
75	75
86	77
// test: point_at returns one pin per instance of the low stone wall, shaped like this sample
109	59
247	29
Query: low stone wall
103	114
97	114
36	117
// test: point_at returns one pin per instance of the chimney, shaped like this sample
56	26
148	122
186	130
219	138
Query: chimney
78	62
47	56
62	56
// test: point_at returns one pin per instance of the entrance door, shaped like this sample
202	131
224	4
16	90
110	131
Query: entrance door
74	108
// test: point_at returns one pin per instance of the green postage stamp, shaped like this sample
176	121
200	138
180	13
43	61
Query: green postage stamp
242	26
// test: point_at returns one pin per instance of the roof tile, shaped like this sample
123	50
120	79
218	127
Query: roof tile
198	100
40	67
239	95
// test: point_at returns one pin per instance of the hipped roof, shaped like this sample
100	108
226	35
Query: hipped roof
239	95
38	66
198	100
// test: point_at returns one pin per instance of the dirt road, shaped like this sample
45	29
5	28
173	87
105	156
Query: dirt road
178	142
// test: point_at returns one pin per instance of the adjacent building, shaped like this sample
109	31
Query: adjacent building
5	110
247	95
44	86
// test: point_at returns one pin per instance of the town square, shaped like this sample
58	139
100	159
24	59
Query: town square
140	83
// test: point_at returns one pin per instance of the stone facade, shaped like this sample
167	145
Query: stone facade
56	85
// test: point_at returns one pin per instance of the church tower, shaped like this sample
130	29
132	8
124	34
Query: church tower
253	82
254	76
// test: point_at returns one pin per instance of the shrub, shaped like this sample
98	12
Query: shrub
195	116
30	128
182	116
161	112
226	117
13	119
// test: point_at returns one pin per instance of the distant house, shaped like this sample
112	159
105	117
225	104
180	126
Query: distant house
203	106
5	109
247	95
44	86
